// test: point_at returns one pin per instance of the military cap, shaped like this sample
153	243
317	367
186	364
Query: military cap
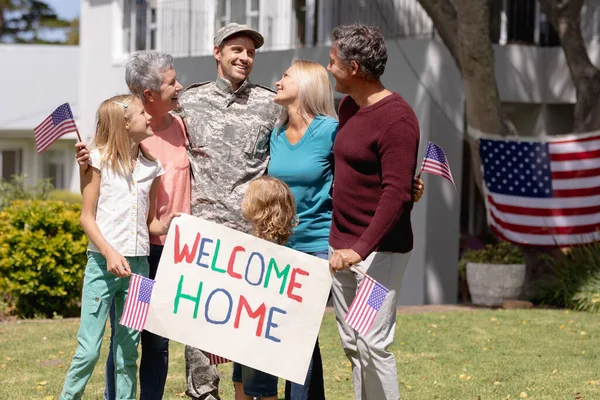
233	28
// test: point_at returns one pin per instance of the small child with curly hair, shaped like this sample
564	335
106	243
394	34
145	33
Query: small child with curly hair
270	208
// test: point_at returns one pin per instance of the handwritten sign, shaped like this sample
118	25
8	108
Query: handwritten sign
239	297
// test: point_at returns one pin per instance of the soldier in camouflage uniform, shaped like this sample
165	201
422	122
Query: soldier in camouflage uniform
228	122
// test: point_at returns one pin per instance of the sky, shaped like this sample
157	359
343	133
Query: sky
66	9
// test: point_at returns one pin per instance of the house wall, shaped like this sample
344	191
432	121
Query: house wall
36	80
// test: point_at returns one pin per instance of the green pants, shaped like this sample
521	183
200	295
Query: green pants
99	289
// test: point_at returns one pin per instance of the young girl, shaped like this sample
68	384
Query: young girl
118	214
269	207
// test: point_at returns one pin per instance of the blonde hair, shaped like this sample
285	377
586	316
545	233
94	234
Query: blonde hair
269	206
112	138
315	93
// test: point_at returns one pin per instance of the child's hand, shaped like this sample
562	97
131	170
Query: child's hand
82	156
169	219
417	189
117	265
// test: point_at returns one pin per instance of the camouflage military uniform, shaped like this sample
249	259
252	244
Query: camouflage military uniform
229	146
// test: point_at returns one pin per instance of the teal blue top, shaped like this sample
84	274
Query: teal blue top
307	168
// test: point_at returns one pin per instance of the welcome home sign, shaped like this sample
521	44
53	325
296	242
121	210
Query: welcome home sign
239	297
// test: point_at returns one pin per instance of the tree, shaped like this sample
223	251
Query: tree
463	26
73	33
565	16
22	20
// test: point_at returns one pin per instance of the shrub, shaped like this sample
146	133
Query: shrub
65	196
499	253
575	282
42	257
15	189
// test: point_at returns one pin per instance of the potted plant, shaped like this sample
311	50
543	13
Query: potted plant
494	273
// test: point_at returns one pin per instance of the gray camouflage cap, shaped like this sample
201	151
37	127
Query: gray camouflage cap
233	28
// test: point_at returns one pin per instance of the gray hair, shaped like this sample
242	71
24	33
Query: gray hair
363	44
145	69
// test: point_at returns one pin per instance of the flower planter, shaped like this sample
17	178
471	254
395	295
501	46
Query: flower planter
491	284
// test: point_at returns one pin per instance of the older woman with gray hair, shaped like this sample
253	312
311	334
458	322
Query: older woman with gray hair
151	75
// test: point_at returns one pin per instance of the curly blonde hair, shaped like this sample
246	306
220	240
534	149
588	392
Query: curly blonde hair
270	208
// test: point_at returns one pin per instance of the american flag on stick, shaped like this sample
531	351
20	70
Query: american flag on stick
543	193
57	124
137	303
435	162
215	359
365	306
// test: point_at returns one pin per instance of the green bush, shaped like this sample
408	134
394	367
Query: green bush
575	282
66	196
15	189
499	253
42	257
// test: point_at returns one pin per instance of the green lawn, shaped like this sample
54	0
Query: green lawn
533	354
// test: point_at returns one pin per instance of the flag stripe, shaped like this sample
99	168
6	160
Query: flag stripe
575	183
48	140
558	143
544	240
575	165
45	136
566	202
582	155
215	359
542	212
576	173
438	172
546	220
548	230
583	192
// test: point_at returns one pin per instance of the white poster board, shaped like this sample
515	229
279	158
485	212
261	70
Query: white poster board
240	297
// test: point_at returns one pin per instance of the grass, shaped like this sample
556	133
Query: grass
533	354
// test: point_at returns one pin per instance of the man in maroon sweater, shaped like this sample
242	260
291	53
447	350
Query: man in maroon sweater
375	154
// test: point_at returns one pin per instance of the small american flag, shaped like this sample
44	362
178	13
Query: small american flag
366	305
435	162
59	123
215	359
137	303
543	192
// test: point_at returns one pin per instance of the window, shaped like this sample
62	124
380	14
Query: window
10	163
240	11
139	25
55	168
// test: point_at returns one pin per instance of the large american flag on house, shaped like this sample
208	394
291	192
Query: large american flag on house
57	124
544	193
137	302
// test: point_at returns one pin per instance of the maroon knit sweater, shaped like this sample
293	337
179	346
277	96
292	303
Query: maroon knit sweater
375	154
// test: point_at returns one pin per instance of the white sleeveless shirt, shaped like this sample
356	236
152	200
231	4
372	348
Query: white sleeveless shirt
123	205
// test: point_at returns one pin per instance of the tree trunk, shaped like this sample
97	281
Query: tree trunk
565	16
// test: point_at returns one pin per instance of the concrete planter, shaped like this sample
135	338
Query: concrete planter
491	284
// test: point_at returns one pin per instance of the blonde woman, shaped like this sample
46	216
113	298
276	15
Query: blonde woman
302	156
118	215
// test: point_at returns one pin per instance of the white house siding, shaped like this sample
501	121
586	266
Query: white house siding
36	80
